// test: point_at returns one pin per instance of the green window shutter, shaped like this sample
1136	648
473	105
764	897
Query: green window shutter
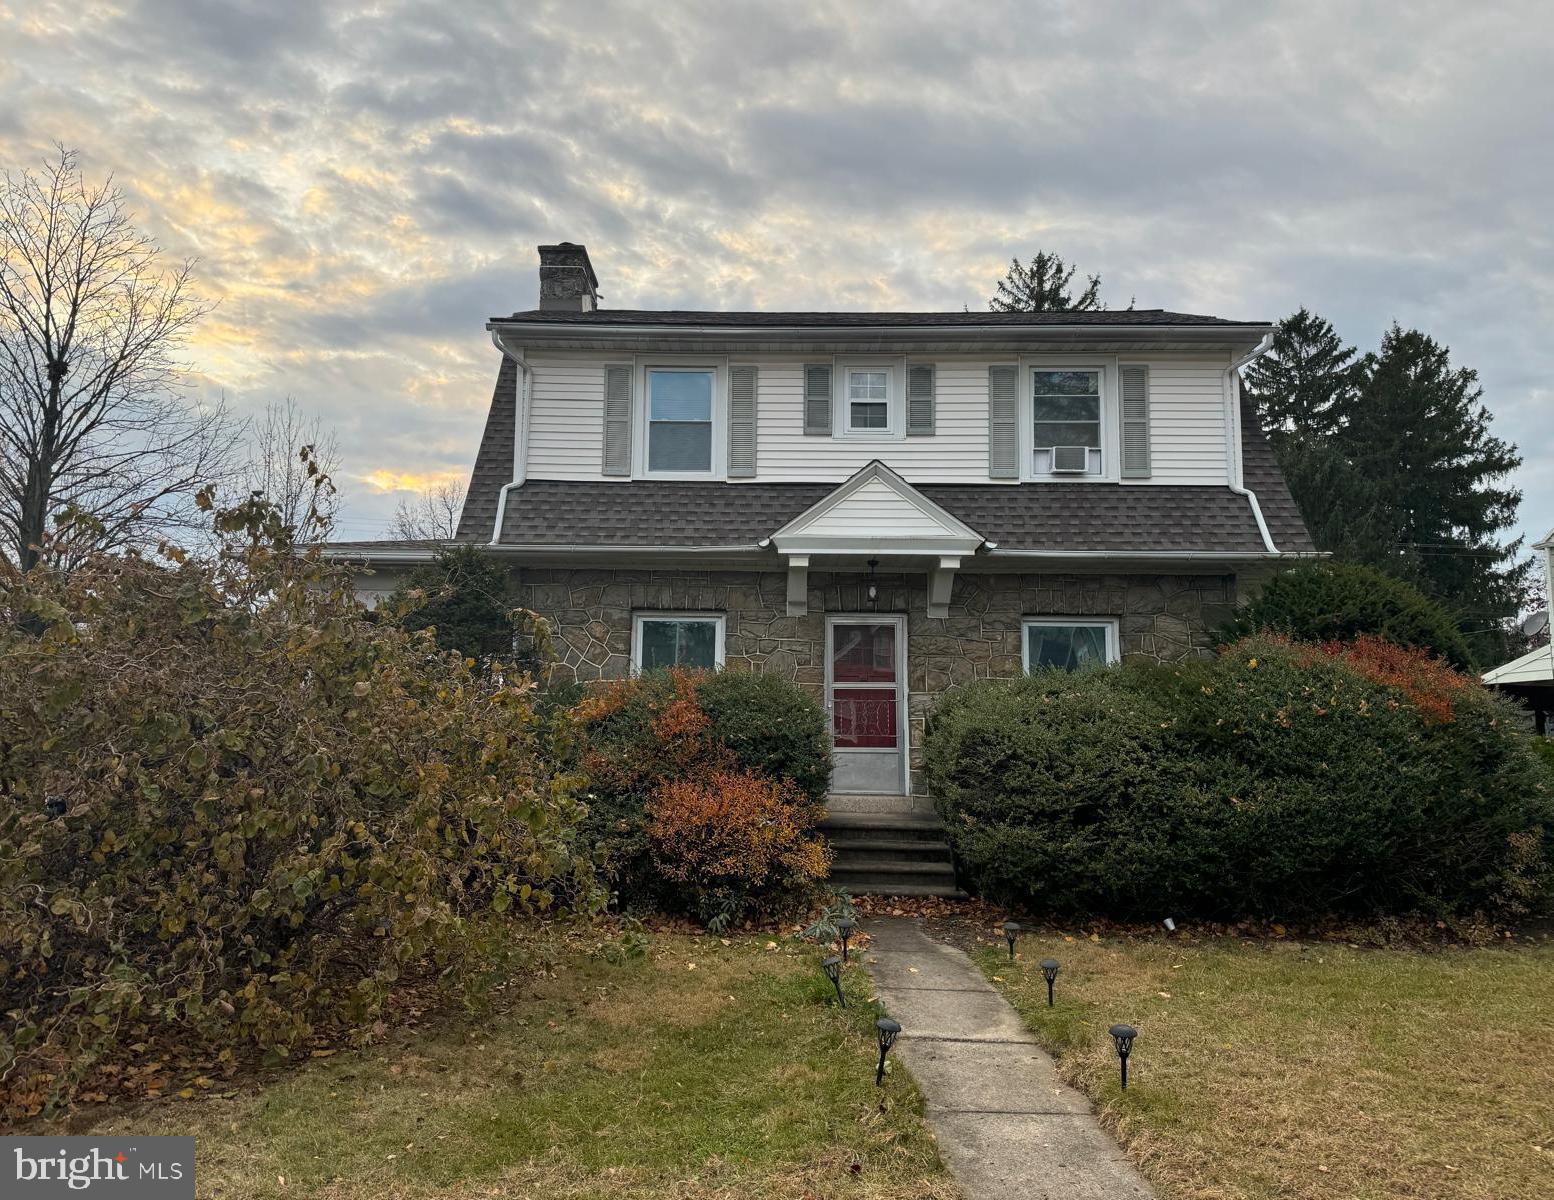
1135	422
920	400
741	422
1003	436
617	420
817	398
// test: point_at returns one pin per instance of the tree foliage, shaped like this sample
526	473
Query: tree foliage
1391	460
1325	602
1042	285
235	810
98	450
463	597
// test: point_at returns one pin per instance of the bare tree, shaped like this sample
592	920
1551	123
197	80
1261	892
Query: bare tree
300	488
433	516
98	450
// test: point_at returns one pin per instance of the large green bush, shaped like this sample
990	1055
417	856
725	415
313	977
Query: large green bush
704	791
234	810
1323	602
1279	780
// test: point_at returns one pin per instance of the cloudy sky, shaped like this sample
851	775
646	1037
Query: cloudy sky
363	184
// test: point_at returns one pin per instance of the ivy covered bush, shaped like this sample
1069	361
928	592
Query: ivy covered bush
235	810
1282	779
704	791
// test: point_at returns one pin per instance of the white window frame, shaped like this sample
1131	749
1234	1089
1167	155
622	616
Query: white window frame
1112	625
895	406
717	469
638	619
1106	366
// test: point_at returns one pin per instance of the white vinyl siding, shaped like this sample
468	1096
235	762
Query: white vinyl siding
566	419
878	508
1186	419
1187	423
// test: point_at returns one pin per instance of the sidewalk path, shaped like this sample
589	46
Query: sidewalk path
1006	1126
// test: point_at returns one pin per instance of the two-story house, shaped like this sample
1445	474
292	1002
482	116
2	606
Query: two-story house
876	505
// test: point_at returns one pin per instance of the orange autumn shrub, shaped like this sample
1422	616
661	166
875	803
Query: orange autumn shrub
1430	684
702	792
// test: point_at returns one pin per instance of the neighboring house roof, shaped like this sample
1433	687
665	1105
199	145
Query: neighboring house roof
1150	317
1534	668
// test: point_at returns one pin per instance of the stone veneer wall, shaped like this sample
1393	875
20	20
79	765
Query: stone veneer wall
1161	617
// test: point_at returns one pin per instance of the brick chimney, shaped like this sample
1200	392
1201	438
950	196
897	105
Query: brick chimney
567	279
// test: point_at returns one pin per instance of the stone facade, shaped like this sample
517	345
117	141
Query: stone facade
1160	617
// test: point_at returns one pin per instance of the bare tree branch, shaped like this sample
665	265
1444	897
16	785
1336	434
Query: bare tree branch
433	516
98	450
298	486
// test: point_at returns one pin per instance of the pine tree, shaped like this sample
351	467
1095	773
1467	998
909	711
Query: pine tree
1043	287
1304	385
1418	434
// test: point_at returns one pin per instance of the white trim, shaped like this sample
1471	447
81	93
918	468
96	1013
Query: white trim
644	615
1110	624
903	721
645	365
522	405
957	537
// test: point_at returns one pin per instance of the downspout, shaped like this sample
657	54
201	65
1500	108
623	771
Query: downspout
520	433
1233	394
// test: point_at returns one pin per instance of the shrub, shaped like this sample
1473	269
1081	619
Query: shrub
463	598
1281	779
772	727
1339	602
691	805
236	810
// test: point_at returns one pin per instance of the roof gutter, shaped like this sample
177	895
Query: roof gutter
1233	396
520	431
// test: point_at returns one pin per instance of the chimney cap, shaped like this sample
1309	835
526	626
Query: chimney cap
570	254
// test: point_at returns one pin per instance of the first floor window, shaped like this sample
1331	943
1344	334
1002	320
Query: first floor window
1069	643
1066	407
868	401
693	640
679	420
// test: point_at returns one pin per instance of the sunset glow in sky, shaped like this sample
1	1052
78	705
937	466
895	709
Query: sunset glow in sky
364	184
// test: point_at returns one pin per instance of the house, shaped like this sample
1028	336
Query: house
876	505
1530	678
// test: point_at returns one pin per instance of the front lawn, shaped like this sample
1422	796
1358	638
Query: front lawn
700	1070
1293	1070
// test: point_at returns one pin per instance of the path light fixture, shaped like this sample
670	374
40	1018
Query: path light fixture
1122	1036
888	1031
845	928
833	968
1011	935
1050	968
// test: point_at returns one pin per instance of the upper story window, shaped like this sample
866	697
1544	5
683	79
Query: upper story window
868	401
1066	425
679	435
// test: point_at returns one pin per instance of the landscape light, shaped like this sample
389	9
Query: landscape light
888	1031
1011	935
845	928
833	968
1050	968
1122	1036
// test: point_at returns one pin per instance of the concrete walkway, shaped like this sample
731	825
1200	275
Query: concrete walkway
1006	1126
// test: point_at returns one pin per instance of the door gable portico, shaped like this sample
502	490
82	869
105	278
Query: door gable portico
875	513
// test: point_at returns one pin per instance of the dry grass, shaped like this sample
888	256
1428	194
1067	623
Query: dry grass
1275	1069
649	1079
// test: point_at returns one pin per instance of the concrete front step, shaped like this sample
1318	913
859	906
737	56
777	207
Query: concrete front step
895	878
890	854
871	850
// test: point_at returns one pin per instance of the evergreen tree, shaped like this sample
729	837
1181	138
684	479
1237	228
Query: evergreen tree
1304	386
1042	286
1418	434
463	594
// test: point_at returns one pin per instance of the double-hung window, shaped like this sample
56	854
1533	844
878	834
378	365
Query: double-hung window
1066	412
1068	642
692	640
679	411
868	400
